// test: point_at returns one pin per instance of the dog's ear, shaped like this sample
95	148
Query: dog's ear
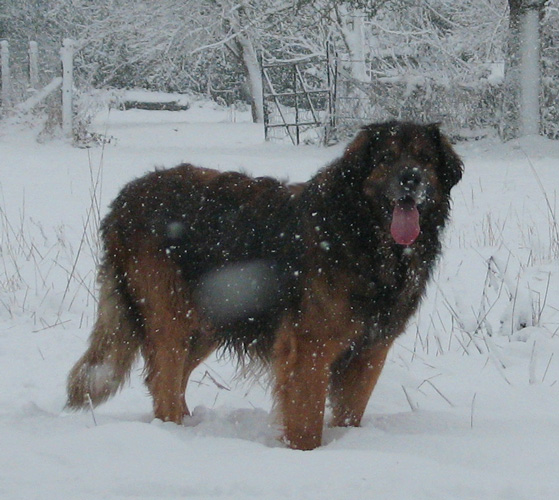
450	165
359	146
360	150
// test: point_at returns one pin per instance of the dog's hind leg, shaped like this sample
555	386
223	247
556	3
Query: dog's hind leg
171	353
175	339
353	379
164	366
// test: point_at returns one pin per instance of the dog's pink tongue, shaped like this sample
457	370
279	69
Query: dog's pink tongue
405	222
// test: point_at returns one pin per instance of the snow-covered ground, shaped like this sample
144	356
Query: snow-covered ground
466	408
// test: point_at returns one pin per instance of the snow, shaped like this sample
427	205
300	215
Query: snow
457	413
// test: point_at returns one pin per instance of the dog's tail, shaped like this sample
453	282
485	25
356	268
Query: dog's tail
113	346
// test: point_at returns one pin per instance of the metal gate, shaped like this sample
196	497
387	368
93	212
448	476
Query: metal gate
299	100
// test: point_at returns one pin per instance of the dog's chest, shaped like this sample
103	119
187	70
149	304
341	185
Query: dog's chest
389	286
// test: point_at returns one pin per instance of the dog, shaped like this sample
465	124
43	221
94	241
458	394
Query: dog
313	281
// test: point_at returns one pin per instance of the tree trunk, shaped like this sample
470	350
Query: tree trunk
521	106
530	77
254	76
245	50
350	24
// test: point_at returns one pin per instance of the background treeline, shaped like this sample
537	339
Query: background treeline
437	59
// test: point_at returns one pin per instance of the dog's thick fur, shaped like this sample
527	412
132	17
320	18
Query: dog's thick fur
333	283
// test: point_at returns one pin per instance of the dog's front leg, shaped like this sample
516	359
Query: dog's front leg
302	369
354	381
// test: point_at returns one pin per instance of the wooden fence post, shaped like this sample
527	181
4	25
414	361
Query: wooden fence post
6	80
33	65
67	55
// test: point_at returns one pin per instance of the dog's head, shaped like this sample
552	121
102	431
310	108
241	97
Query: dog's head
405	168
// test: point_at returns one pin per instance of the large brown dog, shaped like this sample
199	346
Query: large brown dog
313	280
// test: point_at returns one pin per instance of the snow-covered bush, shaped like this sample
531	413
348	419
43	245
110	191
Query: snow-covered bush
466	112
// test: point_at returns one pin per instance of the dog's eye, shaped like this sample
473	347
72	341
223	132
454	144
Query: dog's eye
425	157
388	157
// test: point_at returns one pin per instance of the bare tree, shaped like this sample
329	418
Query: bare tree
348	23
245	24
242	39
